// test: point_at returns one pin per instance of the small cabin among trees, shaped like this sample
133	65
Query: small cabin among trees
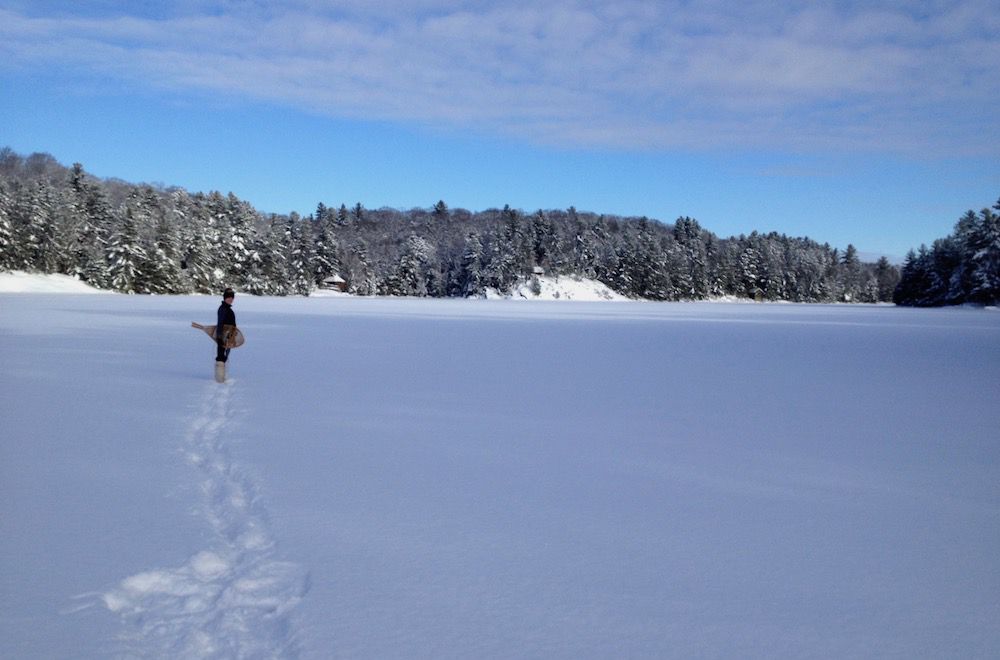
334	283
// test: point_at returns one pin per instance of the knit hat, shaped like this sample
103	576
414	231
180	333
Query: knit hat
228	293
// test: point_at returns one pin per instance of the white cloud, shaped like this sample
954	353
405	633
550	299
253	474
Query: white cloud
622	74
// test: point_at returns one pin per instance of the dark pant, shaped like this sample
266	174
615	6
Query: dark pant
221	352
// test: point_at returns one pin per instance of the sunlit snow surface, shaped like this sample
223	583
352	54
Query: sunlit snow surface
464	479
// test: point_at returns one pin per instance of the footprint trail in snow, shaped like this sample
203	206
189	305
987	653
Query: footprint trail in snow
232	600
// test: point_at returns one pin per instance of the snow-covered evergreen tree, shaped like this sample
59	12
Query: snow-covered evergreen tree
544	243
239	235
851	278
200	269
274	253
749	267
34	225
582	246
358	213
413	275
905	292
771	269
724	255
960	281
8	243
93	210
66	234
126	256
144	207
327	250
501	270
302	278
164	272
985	242
887	278
652	265
358	269
692	283
343	217
215	209
255	281
470	282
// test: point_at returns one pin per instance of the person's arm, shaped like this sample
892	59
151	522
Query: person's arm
220	321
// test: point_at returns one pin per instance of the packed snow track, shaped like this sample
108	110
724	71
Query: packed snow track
233	599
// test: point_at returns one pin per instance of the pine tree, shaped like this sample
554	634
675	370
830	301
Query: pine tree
749	272
254	281
91	205
327	250
721	256
275	254
343	217
152	269
905	291
985	241
543	238
197	263
8	244
851	279
919	285
163	259
471	277
241	234
359	271
609	268
501	272
35	228
126	256
947	265
301	275
647	265
887	277
771	271
405	279
412	276
522	232
66	234
584	247
215	210
692	273
960	283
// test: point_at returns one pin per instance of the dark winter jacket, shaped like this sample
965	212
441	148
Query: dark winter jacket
226	316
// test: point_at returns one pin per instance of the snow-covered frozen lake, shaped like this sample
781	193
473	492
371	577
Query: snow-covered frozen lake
494	479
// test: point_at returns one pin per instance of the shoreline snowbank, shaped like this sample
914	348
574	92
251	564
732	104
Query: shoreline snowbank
22	282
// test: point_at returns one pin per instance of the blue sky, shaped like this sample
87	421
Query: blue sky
872	123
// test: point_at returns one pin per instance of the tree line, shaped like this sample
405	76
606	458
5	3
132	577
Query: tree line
961	268
140	238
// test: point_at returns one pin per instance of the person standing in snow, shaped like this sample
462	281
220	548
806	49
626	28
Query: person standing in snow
225	317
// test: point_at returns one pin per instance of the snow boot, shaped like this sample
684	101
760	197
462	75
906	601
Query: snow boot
220	371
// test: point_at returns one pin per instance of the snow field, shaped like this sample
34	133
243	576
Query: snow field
415	478
232	600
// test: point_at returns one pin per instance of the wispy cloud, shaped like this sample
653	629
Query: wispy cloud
886	76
